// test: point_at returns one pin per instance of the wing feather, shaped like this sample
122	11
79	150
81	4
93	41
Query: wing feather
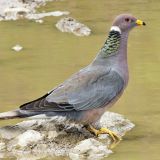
83	91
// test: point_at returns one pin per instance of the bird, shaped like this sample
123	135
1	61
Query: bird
85	96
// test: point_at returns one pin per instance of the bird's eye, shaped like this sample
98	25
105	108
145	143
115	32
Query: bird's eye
127	19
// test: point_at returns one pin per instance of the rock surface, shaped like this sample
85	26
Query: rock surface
89	149
26	9
18	9
42	138
69	24
29	137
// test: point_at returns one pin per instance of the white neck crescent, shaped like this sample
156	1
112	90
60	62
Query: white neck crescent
115	28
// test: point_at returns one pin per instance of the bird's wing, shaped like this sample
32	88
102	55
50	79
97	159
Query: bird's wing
83	91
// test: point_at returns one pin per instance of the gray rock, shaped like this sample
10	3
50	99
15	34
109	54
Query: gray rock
52	134
2	146
89	149
17	9
10	132
116	123
15	13
34	137
29	137
69	24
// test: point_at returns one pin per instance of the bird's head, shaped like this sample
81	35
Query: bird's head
125	22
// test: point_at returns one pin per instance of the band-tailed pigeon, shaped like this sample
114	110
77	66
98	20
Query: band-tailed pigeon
86	95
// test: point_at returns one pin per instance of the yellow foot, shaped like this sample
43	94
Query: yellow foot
116	139
114	136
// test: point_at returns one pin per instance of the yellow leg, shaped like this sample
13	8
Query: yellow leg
104	131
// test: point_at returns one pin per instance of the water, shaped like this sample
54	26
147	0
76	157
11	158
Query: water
49	57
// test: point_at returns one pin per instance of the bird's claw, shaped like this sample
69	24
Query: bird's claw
113	135
116	139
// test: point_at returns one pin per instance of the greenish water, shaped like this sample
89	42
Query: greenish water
49	57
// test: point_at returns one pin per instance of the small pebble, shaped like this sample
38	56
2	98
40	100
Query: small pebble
39	21
17	48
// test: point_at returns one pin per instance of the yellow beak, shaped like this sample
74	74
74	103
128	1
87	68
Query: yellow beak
140	23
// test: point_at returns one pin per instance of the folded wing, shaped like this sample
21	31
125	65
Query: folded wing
83	91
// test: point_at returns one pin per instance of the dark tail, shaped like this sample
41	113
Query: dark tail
13	114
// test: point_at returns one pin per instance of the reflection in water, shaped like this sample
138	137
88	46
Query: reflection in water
50	56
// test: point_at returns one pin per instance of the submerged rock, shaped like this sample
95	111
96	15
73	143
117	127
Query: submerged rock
69	24
46	137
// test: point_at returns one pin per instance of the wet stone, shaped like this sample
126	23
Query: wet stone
70	25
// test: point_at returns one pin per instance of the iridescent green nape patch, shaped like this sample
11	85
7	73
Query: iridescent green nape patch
112	43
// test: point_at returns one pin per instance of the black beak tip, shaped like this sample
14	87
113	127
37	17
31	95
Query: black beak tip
144	23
